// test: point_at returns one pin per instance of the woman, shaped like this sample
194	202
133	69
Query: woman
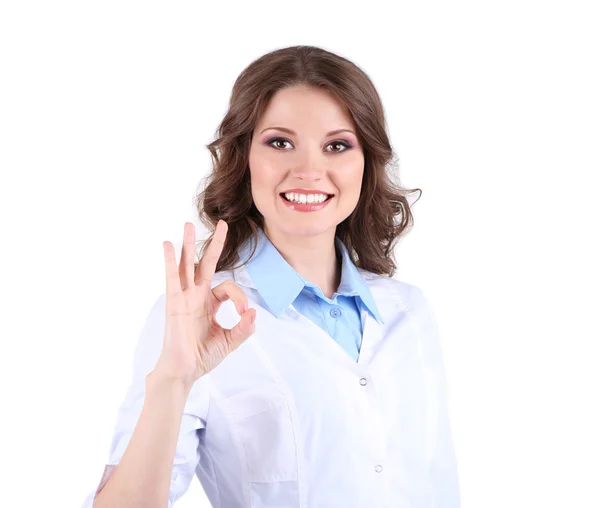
329	391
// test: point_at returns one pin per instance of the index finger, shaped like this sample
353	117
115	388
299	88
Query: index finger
208	264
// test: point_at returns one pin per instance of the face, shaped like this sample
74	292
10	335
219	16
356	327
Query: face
293	152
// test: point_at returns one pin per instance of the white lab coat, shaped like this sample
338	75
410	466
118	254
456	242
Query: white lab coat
290	420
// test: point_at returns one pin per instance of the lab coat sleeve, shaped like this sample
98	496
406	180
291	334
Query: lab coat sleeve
442	464
187	456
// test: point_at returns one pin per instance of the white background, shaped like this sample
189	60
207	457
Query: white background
493	109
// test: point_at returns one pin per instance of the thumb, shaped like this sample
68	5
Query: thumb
245	328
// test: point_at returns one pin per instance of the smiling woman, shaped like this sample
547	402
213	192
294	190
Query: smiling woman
306	169
304	120
322	384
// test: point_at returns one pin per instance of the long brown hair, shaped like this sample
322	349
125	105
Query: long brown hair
382	214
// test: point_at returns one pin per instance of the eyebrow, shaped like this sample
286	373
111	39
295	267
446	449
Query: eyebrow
290	131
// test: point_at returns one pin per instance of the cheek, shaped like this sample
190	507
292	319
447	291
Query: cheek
262	184
262	168
261	180
351	182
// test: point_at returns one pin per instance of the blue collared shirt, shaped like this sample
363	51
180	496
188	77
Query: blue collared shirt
281	286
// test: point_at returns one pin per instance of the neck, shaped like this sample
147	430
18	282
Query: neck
313	257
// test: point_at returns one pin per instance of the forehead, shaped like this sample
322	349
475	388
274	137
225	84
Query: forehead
305	105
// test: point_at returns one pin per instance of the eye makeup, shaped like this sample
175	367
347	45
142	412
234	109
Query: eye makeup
346	144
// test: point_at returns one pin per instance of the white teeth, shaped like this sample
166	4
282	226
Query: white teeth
305	198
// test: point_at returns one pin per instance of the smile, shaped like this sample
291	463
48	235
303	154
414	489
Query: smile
306	206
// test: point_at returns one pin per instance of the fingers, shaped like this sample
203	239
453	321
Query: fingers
240	332
246	327
172	276
188	252
230	290
208	264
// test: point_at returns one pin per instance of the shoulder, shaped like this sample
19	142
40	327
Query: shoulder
404	295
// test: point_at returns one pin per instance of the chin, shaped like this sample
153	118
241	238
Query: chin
305	229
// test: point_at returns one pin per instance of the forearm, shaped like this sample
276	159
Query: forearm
143	476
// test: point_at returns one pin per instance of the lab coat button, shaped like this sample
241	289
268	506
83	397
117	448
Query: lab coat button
378	468
363	381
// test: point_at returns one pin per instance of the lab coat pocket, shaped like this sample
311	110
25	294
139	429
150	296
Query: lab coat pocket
262	420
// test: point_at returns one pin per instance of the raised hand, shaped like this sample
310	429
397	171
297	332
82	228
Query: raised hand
194	343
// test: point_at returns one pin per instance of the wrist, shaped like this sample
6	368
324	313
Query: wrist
157	380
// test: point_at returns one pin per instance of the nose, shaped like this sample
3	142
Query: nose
310	166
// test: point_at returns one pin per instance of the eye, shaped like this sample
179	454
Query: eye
276	140
337	142
342	143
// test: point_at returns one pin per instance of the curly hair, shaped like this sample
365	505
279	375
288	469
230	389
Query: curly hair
382	214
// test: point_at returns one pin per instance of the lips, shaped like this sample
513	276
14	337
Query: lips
305	207
329	196
306	191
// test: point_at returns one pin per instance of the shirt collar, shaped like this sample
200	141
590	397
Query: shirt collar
279	284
